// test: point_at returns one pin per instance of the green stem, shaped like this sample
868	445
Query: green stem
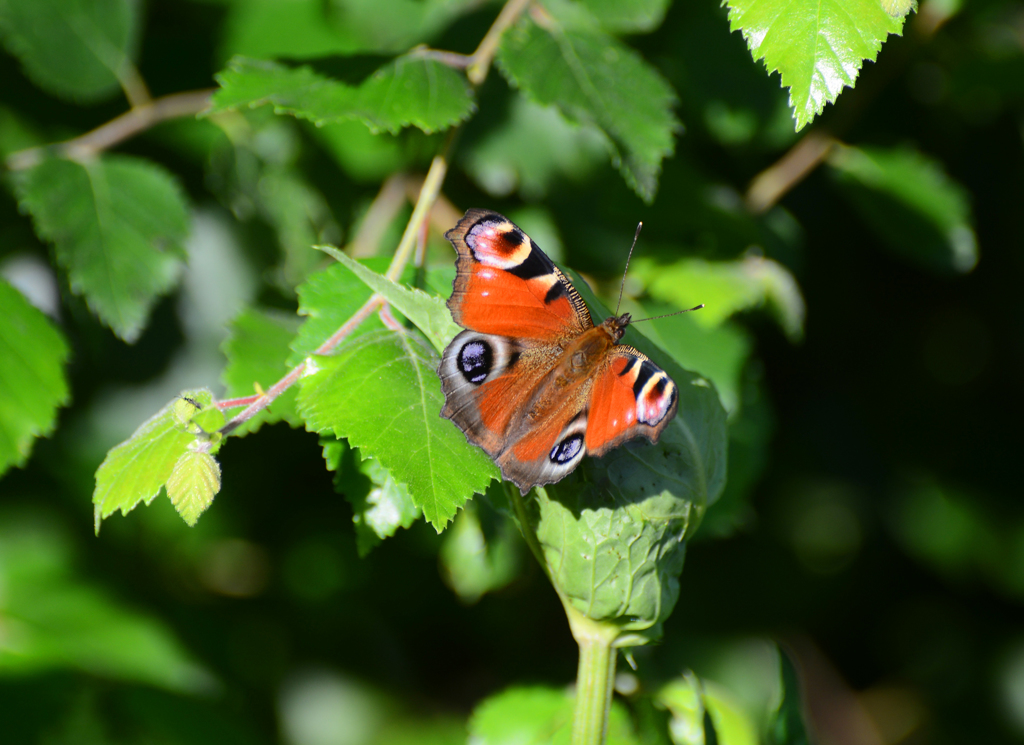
594	677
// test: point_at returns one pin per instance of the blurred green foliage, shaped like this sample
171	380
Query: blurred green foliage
862	331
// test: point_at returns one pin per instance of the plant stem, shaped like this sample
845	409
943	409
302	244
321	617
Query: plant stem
594	677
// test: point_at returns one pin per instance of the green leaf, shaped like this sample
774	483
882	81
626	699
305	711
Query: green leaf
481	552
32	358
818	46
727	287
135	470
55	620
328	299
628	16
192	485
77	49
411	90
118	224
786	725
911	203
257	349
595	79
379	512
303	29
428	312
538	716
733	725
380	391
613	532
683	697
533	150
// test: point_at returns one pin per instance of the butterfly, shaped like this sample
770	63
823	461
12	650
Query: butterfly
532	380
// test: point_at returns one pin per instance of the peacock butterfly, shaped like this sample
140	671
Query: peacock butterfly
532	380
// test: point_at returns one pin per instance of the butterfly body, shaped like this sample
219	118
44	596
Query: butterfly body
532	380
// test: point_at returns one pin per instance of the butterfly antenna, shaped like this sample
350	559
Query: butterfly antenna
654	318
622	286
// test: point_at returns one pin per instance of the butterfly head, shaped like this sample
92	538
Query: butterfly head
616	326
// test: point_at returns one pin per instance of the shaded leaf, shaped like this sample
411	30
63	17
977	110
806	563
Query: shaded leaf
257	349
138	468
76	49
595	79
118	224
481	552
727	287
428	312
54	620
786	725
192	485
411	90
911	203
394	375
32	358
818	46
381	511
628	16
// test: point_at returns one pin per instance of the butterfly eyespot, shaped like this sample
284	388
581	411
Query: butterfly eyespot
567	449
475	359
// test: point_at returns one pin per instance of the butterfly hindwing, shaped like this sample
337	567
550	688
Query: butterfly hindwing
505	285
632	397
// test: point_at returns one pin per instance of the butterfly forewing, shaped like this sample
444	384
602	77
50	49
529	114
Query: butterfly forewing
531	380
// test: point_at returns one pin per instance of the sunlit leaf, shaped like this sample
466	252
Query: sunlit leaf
77	49
118	224
538	716
192	485
257	349
817	46
725	288
393	375
411	90
138	468
595	79
912	204
32	358
428	312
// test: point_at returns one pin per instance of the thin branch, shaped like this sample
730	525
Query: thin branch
382	211
451	59
133	85
484	54
129	124
769	186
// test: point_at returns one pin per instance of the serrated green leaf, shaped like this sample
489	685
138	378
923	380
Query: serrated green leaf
328	299
56	620
138	468
192	485
428	312
727	287
818	46
32	358
257	349
595	79
539	716
380	391
118	224
411	90
379	512
912	204
77	49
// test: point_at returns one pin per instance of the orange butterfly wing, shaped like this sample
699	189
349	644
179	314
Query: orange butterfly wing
510	379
